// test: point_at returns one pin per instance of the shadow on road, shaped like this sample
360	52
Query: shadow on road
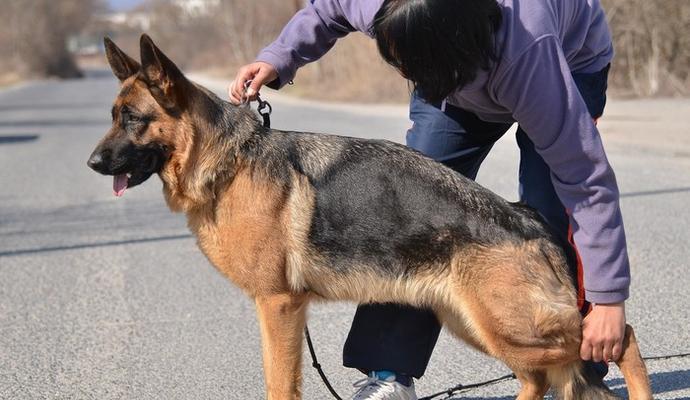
50	107
56	122
479	398
11	253
662	382
11	139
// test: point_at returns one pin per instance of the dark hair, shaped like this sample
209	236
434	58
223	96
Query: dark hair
439	45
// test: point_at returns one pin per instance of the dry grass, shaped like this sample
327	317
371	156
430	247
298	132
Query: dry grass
33	35
221	41
351	71
9	78
652	40
354	71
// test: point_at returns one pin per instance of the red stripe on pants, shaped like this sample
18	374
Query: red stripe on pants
583	305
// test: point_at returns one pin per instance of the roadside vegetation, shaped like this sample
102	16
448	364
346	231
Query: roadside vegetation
652	40
33	36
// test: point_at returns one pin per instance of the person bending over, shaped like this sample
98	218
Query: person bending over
477	67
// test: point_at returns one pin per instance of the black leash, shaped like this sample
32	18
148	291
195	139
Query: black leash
449	392
679	355
317	366
264	109
461	388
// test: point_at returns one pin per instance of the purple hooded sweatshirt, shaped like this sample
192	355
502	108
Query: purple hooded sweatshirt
540	44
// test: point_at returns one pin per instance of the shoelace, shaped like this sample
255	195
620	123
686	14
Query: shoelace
372	388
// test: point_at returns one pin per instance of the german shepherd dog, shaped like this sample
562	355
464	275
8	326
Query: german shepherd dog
291	217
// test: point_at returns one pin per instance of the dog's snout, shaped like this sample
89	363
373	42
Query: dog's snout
94	161
99	161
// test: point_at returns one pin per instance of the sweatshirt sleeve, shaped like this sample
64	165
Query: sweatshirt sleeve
313	31
539	88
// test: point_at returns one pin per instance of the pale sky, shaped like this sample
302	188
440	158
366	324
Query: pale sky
120	5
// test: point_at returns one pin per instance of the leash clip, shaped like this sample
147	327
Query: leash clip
264	108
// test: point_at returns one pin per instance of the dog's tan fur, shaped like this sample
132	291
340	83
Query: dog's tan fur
255	231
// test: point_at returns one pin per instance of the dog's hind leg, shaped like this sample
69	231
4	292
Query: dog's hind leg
519	309
633	368
282	318
534	385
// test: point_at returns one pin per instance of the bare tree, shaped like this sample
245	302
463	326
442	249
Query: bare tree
227	32
651	37
35	34
652	41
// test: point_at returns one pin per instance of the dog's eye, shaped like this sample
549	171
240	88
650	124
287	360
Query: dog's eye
129	118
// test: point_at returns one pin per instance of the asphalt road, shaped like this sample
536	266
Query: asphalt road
107	298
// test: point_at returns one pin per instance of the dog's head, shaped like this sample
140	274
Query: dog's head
147	116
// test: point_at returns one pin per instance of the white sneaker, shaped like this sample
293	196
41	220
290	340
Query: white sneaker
373	388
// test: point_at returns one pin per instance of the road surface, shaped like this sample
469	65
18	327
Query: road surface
107	298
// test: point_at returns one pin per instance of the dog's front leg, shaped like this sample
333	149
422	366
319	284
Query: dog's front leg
282	318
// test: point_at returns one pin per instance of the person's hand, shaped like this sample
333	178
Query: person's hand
603	330
259	73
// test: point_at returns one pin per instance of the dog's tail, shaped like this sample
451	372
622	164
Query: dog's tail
579	381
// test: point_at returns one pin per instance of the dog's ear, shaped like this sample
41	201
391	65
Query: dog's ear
123	66
163	77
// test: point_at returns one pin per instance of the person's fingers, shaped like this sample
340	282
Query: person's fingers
259	73
617	351
607	351
263	76
237	94
597	352
244	75
617	344
586	350
231	93
602	337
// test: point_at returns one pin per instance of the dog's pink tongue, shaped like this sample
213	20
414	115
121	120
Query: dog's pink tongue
119	184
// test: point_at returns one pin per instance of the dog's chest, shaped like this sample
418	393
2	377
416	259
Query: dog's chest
242	235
